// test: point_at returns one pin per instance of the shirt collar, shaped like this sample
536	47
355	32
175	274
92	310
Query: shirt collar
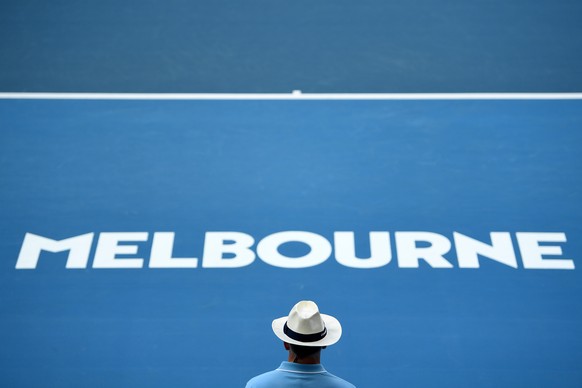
301	368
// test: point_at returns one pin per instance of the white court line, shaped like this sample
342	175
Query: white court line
295	95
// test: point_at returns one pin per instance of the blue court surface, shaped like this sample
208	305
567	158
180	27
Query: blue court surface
149	240
114	175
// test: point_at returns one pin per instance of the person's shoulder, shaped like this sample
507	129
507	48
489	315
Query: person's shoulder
262	380
339	382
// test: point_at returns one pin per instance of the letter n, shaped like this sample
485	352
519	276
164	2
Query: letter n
79	248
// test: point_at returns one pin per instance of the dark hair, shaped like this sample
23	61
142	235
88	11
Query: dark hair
304	351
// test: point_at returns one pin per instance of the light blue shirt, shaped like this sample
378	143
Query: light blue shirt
298	375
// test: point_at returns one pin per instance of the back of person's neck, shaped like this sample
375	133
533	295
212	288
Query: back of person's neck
304	361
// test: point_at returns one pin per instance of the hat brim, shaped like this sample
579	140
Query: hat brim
334	332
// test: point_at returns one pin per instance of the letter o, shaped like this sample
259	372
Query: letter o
268	249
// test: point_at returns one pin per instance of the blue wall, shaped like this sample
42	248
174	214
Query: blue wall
275	46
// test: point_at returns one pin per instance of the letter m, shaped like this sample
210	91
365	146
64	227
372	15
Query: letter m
78	247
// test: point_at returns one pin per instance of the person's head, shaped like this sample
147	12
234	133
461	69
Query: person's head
299	353
305	331
304	351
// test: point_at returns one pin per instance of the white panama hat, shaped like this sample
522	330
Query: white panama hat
306	326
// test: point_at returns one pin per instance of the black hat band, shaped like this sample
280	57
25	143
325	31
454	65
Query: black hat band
304	337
